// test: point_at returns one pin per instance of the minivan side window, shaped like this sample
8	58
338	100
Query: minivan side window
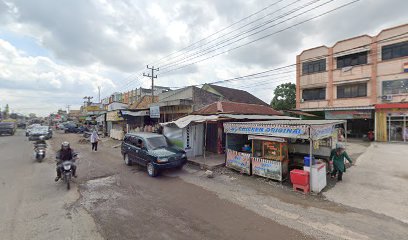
134	141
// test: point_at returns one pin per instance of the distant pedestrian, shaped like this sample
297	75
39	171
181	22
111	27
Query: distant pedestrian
94	140
337	156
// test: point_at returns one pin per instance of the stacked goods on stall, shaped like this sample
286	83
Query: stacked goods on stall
270	157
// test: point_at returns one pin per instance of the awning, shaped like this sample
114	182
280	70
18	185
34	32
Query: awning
352	81
338	108
185	121
136	114
352	51
391	105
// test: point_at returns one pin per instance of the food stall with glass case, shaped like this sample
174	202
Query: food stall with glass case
272	143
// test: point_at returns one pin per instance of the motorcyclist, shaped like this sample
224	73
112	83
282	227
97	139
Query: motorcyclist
66	153
40	141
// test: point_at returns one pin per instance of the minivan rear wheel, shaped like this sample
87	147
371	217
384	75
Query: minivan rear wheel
127	160
151	170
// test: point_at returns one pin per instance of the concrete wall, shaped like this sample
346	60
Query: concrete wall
373	73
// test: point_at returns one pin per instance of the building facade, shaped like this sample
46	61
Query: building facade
362	79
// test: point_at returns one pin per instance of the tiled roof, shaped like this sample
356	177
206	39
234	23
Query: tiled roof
237	108
236	95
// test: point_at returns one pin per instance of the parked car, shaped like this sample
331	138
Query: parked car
39	131
151	150
7	128
71	128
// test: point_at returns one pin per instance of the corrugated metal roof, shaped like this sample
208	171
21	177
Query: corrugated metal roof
237	108
185	121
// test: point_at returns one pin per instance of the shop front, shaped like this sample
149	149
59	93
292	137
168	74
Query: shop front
115	124
271	148
391	122
359	121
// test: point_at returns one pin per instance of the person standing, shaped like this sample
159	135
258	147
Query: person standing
337	156
94	140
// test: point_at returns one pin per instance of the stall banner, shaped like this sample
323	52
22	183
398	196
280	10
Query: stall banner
270	130
320	132
239	161
267	168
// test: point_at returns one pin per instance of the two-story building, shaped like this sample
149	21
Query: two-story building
362	79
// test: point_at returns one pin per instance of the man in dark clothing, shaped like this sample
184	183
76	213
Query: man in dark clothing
66	153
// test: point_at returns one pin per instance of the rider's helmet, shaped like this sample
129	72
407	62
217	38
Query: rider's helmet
42	138
65	145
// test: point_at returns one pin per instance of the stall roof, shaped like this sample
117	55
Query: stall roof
185	121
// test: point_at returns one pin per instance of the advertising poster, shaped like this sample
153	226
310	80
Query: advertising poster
238	161
267	168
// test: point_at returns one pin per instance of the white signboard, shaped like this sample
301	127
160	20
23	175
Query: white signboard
155	112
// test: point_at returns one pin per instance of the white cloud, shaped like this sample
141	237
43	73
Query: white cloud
102	42
32	83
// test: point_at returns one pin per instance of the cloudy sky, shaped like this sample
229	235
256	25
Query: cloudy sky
53	53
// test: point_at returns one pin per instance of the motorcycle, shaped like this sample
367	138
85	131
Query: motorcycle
66	170
40	149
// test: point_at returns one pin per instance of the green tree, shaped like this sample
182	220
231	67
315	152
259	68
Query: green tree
284	97
6	111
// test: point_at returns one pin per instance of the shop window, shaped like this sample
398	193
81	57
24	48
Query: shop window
314	66
395	87
352	91
314	94
352	60
394	51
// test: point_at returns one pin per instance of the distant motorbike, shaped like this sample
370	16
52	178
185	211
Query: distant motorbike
40	150
66	170
40	147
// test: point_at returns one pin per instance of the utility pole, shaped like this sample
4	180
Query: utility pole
89	99
152	76
99	94
68	106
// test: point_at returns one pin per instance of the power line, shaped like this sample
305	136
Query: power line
252	76
242	34
225	28
213	34
266	36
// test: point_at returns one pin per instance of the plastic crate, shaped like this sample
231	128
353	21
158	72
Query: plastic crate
299	177
306	161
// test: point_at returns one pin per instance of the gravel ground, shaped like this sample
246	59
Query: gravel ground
204	208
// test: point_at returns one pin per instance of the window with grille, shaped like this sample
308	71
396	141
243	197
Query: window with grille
352	91
394	51
314	66
314	94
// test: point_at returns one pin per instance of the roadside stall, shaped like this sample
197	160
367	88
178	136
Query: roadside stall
272	148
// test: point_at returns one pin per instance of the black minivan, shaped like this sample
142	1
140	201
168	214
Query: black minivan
151	150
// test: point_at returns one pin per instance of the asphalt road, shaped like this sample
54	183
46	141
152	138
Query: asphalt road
33	206
114	201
